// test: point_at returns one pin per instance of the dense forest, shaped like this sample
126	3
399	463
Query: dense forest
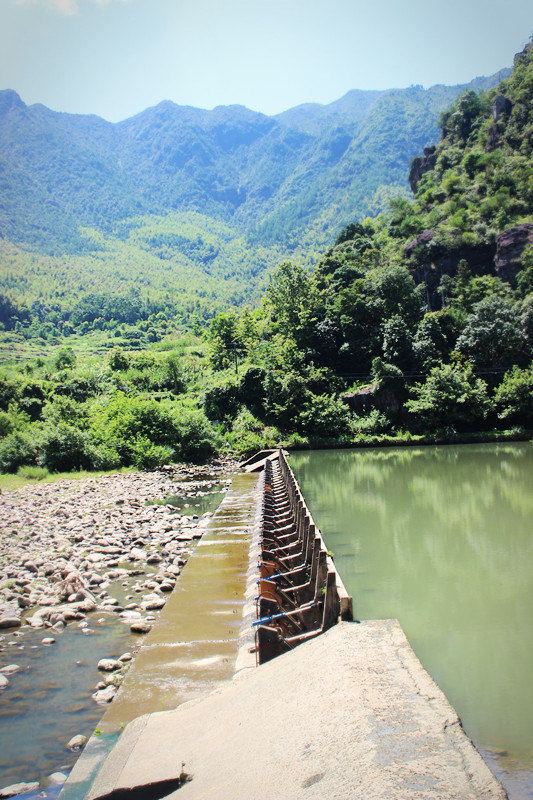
417	325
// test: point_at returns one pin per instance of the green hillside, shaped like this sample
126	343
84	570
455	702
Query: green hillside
417	325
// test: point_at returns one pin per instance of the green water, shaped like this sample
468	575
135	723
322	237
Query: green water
442	539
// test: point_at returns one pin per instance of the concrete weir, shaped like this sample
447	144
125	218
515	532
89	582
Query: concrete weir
322	707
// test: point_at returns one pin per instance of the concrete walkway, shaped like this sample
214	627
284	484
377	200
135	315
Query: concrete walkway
350	715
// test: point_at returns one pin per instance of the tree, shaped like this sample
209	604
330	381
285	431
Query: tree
493	337
514	396
451	396
226	340
65	359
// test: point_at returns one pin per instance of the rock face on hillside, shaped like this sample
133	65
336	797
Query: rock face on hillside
510	246
429	261
420	165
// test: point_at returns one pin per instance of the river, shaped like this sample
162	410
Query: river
442	539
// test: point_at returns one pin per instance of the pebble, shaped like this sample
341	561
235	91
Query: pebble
3	682
10	669
48	640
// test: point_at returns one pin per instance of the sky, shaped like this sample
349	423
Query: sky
116	57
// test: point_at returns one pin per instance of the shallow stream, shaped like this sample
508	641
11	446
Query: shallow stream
48	701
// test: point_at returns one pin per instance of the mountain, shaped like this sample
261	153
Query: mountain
289	179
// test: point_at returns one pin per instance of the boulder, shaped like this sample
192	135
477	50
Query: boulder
421	165
56	779
10	616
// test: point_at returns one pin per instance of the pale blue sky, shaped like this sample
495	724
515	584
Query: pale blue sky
116	57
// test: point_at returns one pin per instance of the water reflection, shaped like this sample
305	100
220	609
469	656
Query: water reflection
441	538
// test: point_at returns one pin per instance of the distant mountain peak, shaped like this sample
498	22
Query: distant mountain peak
9	99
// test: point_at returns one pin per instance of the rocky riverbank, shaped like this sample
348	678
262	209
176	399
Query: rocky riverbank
72	550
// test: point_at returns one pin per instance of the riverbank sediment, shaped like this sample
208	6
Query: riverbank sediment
92	558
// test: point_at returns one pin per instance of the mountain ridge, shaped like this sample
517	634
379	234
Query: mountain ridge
278	179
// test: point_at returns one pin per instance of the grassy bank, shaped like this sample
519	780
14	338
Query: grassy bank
10	482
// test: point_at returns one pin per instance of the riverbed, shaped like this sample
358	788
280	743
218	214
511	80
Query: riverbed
442	539
48	700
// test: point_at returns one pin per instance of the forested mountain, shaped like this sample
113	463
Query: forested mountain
416	325
288	180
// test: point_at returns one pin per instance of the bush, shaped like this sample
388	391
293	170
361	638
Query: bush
64	448
493	336
248	435
147	455
16	450
514	396
324	416
127	425
451	396
33	473
373	423
222	402
65	359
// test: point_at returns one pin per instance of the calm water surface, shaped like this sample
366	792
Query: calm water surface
442	539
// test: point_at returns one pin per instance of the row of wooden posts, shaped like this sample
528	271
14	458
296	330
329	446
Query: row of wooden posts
300	592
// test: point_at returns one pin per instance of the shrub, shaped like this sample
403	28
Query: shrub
324	416
147	455
33	473
127	424
118	360
223	401
65	359
64	447
16	450
450	396
492	336
248	435
373	423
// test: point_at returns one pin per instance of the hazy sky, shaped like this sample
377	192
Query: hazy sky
116	57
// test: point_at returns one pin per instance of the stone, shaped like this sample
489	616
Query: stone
106	695
77	742
56	779
3	682
48	640
125	657
10	669
140	626
153	605
10	616
421	165
19	788
109	665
